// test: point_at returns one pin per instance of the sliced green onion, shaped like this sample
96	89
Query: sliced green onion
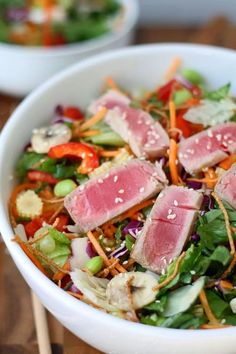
94	265
47	244
193	76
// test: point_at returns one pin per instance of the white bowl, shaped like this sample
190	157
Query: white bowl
25	68
135	67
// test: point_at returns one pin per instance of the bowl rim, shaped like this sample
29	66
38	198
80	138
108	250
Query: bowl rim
131	15
52	290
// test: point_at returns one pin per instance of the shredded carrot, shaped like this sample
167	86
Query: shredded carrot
203	180
109	153
53	201
214	326
112	84
230	267
120	268
60	275
172	109
133	210
78	296
227	223
100	251
89	133
58	210
93	120
228	162
226	284
211	178
172	162
104	273
131	261
211	317
173	275
174	66
29	253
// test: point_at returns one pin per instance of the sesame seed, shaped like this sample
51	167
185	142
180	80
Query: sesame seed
170	211
148	122
218	137
118	200
163	271
100	180
90	154
157	301
83	155
106	175
108	249
125	262
81	187
171	216
196	140
176	203
121	191
147	145
161	195
230	141
141	190
115	179
192	272
223	320
100	237
181	155
154	174
225	144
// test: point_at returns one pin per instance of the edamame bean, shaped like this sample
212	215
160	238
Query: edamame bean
64	187
94	265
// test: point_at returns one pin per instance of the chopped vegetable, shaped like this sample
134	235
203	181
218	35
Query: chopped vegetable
94	265
64	187
76	150
29	205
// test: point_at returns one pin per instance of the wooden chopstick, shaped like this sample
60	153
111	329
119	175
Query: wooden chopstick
41	324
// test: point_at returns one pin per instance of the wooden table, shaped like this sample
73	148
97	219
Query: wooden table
17	331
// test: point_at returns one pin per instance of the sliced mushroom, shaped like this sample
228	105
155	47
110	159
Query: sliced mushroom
93	288
131	291
46	137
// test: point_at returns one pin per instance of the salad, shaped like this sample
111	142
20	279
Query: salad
129	205
52	23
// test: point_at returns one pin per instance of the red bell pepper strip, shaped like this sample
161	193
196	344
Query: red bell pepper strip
40	176
164	92
32	226
76	150
73	113
188	128
63	220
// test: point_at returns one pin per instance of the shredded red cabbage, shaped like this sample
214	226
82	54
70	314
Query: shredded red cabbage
90	250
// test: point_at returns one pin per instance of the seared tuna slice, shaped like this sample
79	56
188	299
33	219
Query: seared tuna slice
109	195
208	148
145	136
167	229
226	186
